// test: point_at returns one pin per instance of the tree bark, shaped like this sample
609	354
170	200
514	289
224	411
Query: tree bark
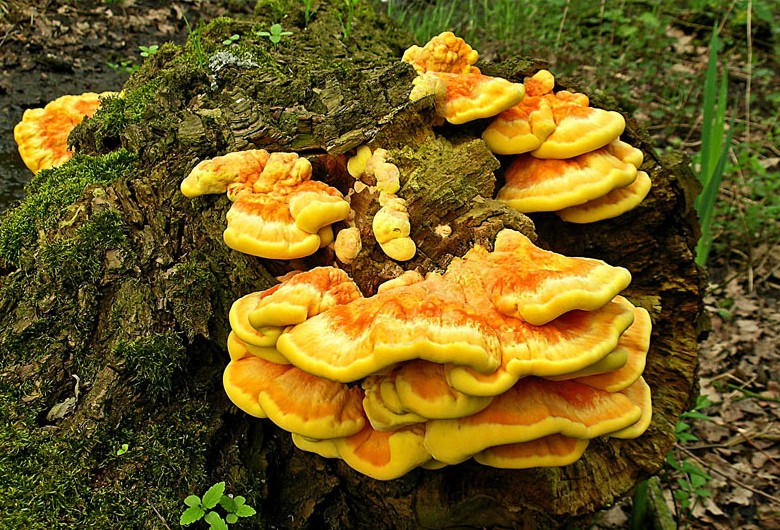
145	330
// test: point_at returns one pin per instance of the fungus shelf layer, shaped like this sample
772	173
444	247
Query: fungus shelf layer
412	376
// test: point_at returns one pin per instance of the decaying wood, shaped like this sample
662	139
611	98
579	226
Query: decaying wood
177	275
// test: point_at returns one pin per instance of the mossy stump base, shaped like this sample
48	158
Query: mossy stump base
144	325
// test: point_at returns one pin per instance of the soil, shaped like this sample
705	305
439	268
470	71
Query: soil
53	47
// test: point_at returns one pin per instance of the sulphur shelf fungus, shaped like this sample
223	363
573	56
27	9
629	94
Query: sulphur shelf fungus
552	124
570	158
373	167
534	122
461	93
597	185
515	357
42	135
278	212
443	53
390	225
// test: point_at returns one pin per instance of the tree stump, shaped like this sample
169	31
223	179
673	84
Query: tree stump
128	287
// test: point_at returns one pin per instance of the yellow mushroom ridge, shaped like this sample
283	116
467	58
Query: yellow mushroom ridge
391	228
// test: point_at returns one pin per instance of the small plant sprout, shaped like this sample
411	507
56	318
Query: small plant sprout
195	38
308	6
122	449
346	26
204	508
148	51
276	33
231	40
690	480
127	66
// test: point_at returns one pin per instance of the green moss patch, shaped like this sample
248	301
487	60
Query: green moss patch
49	193
52	479
153	362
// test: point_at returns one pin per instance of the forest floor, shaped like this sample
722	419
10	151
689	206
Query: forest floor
53	47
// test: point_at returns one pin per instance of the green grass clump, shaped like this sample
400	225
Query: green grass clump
715	143
49	193
153	362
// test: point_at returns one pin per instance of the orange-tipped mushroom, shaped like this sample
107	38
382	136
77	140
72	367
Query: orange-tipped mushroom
579	130
537	185
539	84
549	451
632	346
546	286
521	128
461	98
238	349
42	135
277	211
379	455
312	406
626	152
239	322
422	388
569	343
443	53
294	400
639	393
303	296
530	410
427	320
315	205
384	455
216	174
383	406
261	225
244	378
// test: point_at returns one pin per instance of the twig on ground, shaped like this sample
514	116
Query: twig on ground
717	471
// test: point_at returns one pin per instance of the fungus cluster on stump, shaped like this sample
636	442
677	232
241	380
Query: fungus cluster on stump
515	357
568	157
278	212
